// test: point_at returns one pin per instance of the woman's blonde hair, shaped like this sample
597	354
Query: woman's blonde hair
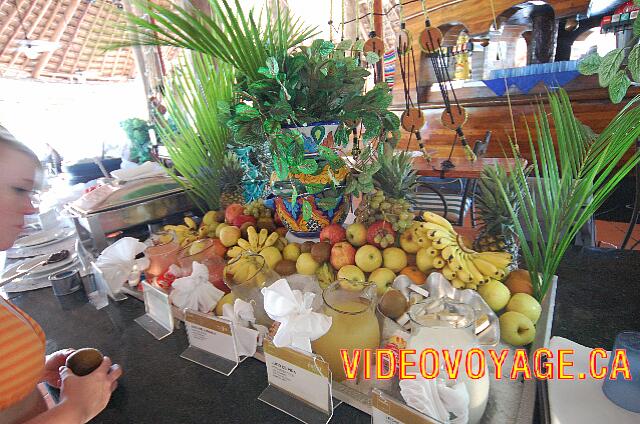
8	140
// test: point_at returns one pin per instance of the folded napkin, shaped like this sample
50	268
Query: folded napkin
118	260
243	318
145	170
195	291
292	309
582	401
435	399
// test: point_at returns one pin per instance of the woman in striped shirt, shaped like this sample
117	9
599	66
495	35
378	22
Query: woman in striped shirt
22	342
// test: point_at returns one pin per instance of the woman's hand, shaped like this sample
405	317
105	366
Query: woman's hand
90	394
52	366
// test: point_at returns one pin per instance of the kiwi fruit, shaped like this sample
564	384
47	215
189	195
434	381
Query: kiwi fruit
84	361
306	247
393	304
244	228
266	223
285	267
220	216
320	252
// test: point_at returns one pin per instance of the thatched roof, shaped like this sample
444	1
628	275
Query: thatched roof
81	27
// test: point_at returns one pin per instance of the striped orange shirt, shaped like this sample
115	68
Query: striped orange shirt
22	349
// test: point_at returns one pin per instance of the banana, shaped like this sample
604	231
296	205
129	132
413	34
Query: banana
203	231
478	278
190	223
448	273
447	253
273	237
235	251
281	243
500	260
438	262
441	243
472	286
252	235
463	276
423	241
262	237
437	234
437	219
432	251
244	244
486	268
458	284
501	274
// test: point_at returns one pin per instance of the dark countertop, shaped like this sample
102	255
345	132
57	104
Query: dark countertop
597	297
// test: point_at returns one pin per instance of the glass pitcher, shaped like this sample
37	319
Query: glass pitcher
354	324
246	275
162	254
444	324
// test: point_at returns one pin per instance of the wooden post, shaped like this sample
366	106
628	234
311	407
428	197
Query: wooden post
378	28
57	35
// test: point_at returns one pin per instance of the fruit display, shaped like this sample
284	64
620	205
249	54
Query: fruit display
190	231
463	267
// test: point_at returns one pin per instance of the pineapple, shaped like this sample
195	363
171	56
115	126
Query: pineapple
231	178
496	228
392	197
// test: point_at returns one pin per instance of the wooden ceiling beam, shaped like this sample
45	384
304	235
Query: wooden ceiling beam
12	14
43	11
86	39
13	36
62	26
104	22
73	35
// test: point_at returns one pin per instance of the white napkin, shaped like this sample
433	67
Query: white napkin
145	170
435	399
116	261
241	314
292	309
195	291
568	398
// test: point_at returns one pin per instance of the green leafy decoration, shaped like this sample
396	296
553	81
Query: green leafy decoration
358	45
636	27
609	66
633	62
307	211
590	64
372	127
247	112
372	58
332	177
618	86
272	64
327	203
344	45
308	166
294	195
314	188
341	137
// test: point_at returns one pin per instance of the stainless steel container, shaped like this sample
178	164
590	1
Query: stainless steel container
66	282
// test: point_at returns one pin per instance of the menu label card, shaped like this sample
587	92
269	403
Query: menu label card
301	375
158	306
385	410
211	334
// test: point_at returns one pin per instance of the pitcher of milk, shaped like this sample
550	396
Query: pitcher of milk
444	324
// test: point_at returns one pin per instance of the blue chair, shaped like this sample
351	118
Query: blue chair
451	198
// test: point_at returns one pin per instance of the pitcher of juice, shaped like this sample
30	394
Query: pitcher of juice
445	324
354	324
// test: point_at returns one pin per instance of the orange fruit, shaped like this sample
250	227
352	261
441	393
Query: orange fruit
417	276
519	281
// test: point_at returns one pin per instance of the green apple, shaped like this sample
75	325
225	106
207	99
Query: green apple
351	278
394	258
424	261
516	329
495	294
357	234
271	256
305	264
219	229
527	305
383	277
291	252
408	241
368	258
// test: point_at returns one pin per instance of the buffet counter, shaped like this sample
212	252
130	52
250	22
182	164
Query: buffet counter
597	297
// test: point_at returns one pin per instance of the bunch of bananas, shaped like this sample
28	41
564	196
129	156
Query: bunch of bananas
255	243
245	270
443	249
326	275
189	231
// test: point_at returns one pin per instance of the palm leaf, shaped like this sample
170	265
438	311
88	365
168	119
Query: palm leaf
569	186
229	34
197	135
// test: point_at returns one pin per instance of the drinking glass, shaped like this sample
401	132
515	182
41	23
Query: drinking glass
622	392
354	324
161	255
203	249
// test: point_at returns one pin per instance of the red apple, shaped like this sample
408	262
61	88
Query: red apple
333	233
241	219
381	234
232	211
342	254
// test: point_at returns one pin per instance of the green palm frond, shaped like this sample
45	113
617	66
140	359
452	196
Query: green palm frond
229	34
197	135
570	185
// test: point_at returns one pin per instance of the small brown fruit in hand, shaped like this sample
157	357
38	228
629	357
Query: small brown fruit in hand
306	247
393	304
84	361
321	252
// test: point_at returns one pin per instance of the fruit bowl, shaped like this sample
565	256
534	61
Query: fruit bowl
438	287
